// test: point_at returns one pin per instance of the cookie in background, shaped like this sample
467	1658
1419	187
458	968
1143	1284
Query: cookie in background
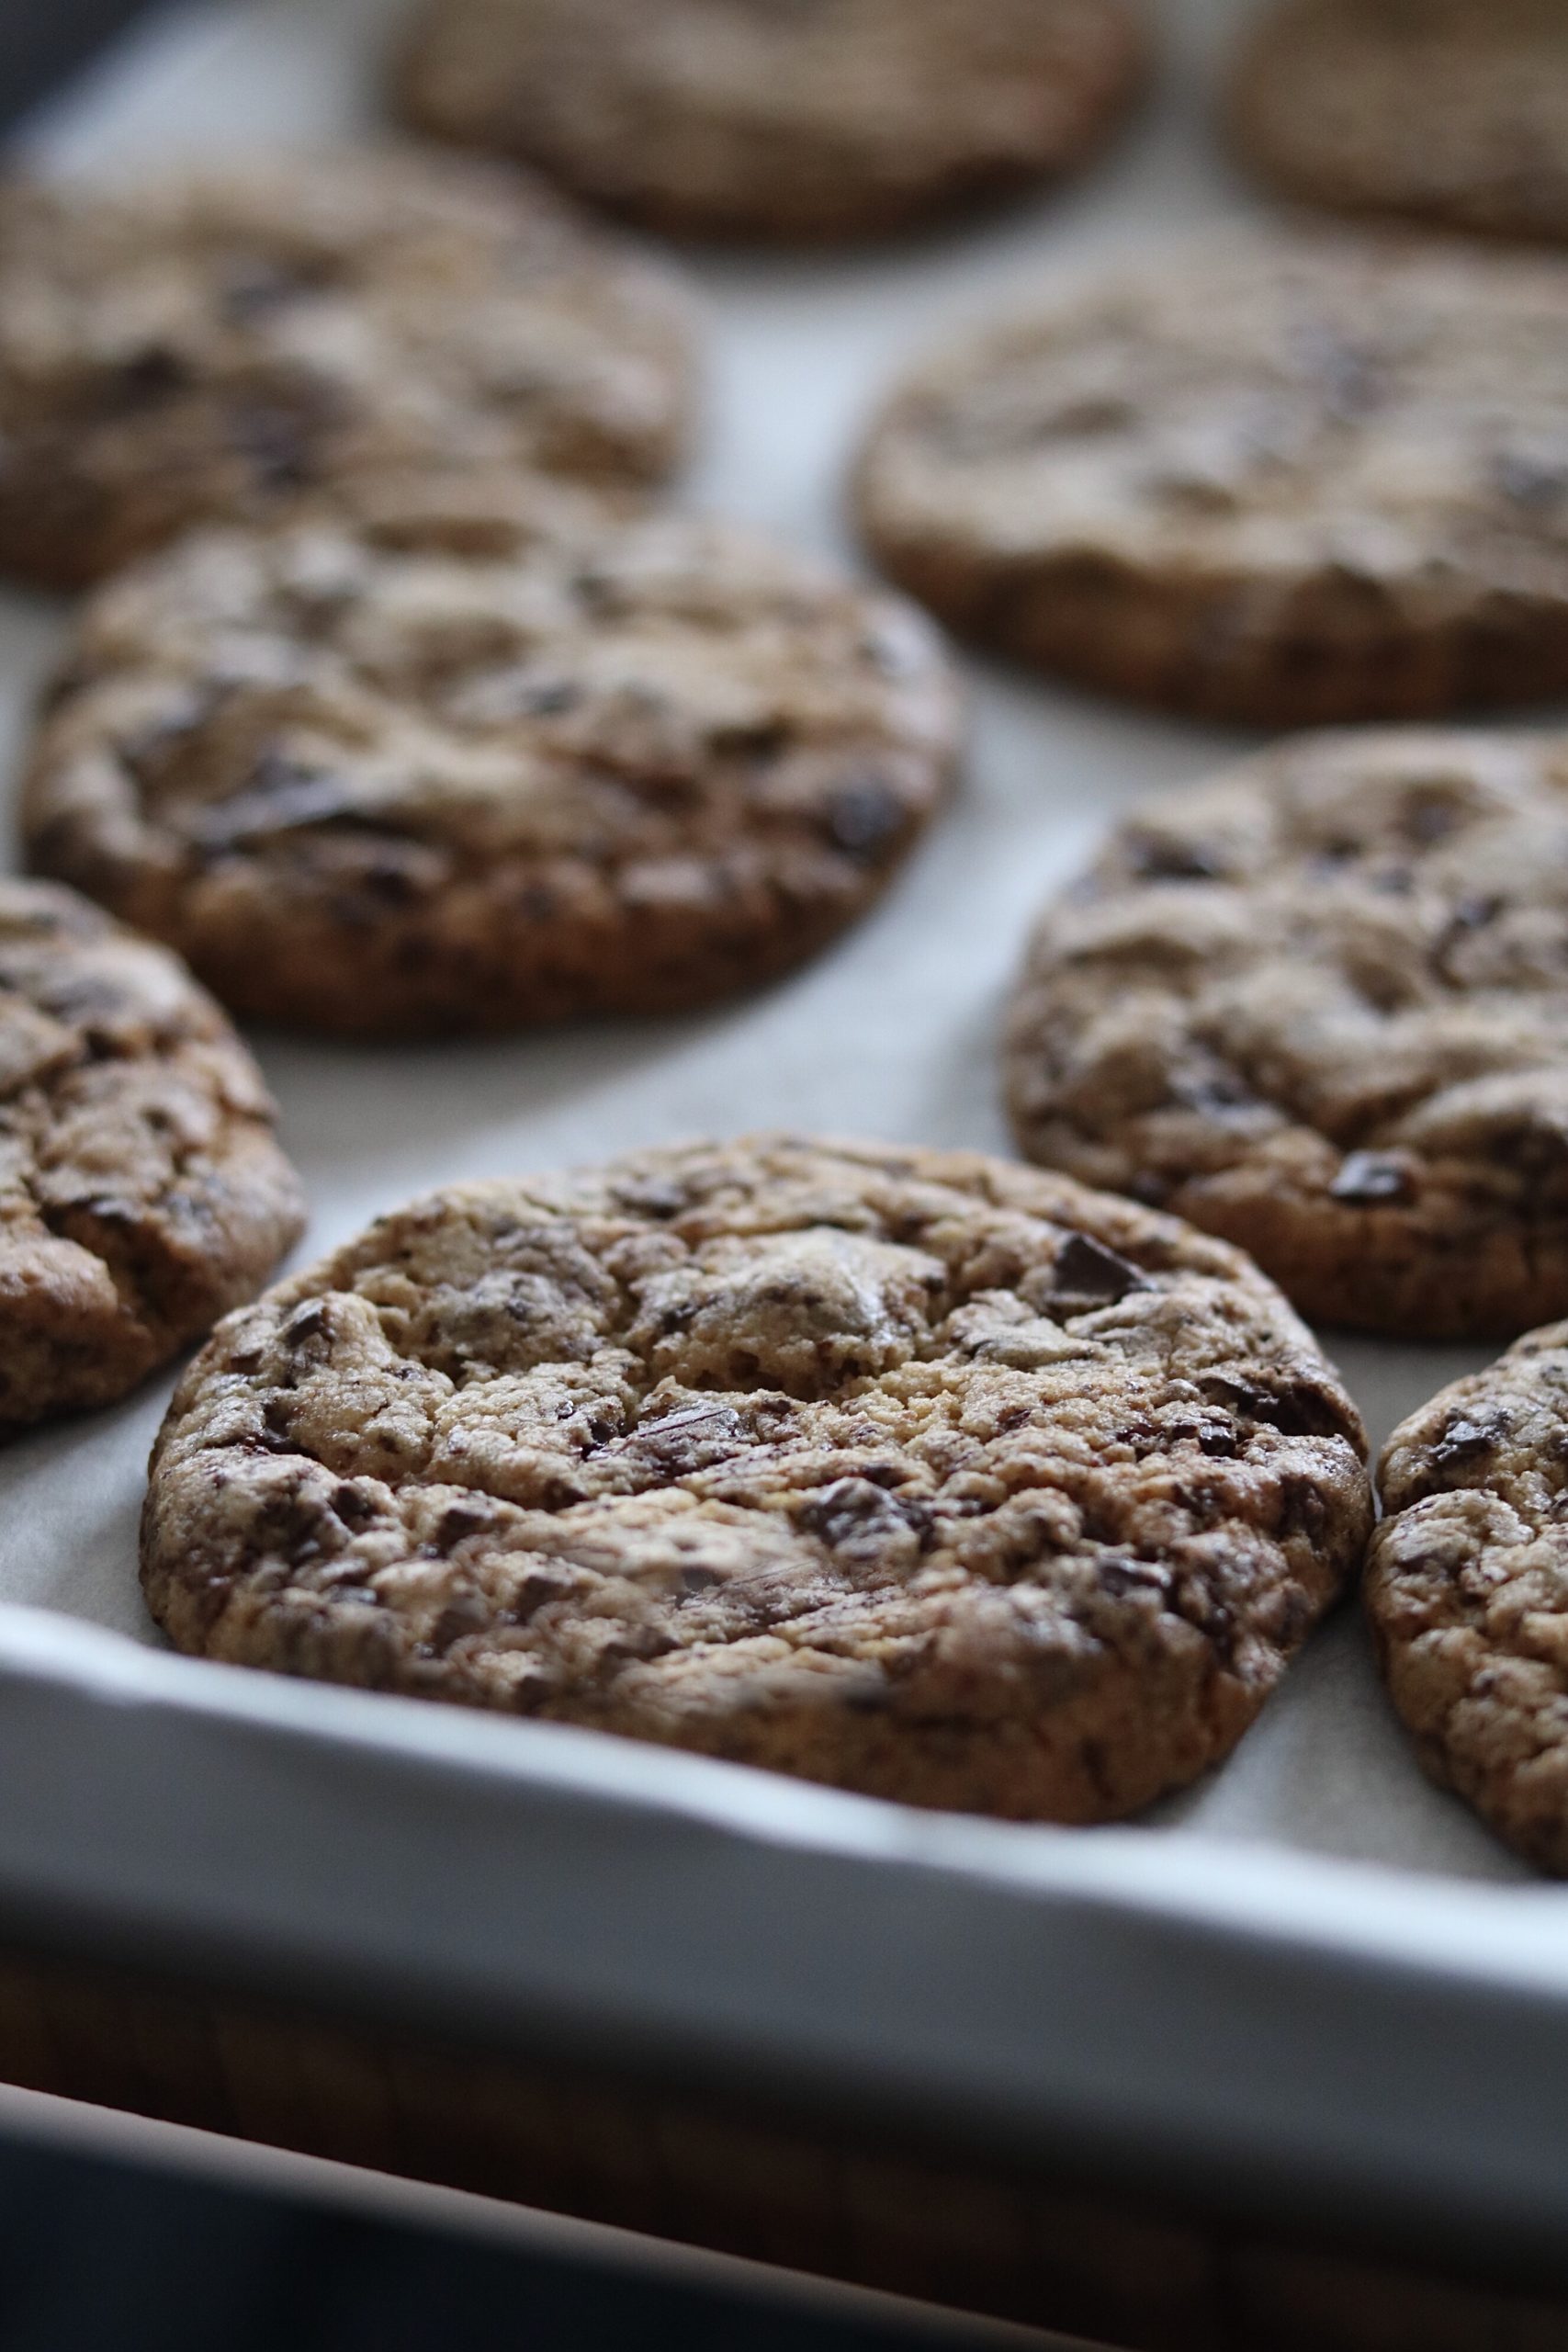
1277	481
243	341
818	121
491	754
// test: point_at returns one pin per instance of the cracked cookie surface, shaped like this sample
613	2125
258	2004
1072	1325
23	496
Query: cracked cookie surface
1467	1590
1320	1006
242	341
913	1472
1283	481
778	118
141	1191
1448	111
483	764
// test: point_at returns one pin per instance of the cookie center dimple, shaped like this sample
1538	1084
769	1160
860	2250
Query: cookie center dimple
804	1313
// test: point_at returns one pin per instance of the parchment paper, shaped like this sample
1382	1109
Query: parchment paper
892	1032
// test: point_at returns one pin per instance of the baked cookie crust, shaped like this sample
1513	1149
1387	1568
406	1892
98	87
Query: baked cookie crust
1467	1591
240	341
812	122
1449	112
1285	482
916	1473
142	1194
488	759
1320	1006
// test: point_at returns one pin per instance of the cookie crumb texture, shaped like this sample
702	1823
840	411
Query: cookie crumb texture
806	119
916	1473
1320	1006
142	1193
248	341
417	777
1467	1584
1452	112
1283	482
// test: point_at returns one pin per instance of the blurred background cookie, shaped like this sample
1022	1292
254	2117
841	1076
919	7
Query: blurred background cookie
142	1191
1448	111
1321	1006
1279	481
488	759
238	341
912	1472
809	120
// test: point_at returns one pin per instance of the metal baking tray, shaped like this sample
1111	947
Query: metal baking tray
1312	1979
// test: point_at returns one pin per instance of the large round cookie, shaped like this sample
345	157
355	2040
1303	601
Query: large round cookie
142	1193
909	1471
466	769
1449	111
777	118
1467	1590
1321	1006
1281	482
238	340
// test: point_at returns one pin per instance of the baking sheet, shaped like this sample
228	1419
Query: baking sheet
891	1034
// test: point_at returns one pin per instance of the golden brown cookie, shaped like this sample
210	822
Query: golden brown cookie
1453	112
807	120
141	1191
481	765
1467	1590
1284	482
1320	1006
243	341
912	1472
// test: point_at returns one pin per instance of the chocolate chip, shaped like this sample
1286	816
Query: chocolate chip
308	1322
1086	1275
1473	912
864	818
1368	1179
279	795
1296	1408
1158	857
148	377
355	1510
1466	1439
1119	1578
460	1521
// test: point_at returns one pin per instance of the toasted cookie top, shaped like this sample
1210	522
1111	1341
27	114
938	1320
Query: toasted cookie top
1452	111
914	1472
1321	1006
1467	1586
477	765
1275	480
238	339
142	1193
788	118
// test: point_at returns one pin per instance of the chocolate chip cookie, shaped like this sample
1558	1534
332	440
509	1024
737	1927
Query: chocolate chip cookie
141	1191
475	767
1281	482
912	1472
239	341
1467	1590
1448	111
1320	1006
778	118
